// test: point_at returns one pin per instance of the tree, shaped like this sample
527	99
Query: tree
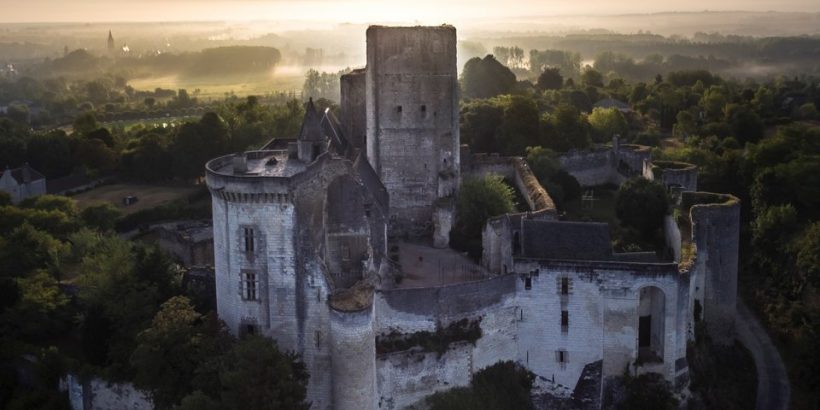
550	79
148	159
85	123
102	216
647	391
27	249
807	248
606	123
592	77
485	78
520	127
504	385
568	129
50	154
480	121
196	143
170	351
479	200
642	204
542	162
279	379
41	309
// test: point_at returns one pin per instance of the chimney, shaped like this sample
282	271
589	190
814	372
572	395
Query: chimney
240	163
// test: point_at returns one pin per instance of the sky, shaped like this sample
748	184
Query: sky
359	11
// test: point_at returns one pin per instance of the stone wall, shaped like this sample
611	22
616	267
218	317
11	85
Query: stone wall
672	174
407	377
97	394
353	115
715	232
590	168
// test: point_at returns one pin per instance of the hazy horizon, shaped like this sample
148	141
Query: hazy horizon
363	11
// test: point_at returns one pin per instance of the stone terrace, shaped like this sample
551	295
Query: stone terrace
425	266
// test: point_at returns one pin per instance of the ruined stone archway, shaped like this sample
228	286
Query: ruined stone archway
651	324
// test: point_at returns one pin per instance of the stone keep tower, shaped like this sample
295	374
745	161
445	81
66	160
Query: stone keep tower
412	124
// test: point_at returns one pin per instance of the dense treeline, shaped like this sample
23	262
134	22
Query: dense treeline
644	54
78	298
148	153
227	60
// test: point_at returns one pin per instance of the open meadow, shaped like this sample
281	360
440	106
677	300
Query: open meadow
149	196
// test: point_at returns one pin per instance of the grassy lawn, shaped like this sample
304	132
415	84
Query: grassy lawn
601	209
149	196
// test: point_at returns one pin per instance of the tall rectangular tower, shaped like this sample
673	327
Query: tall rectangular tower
412	120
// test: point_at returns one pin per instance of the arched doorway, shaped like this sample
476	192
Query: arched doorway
651	324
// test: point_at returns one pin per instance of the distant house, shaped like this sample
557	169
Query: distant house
22	183
613	103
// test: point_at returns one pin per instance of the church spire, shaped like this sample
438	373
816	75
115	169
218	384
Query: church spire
110	42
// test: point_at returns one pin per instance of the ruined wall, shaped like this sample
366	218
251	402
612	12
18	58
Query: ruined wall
590	168
354	359
672	174
406	377
672	235
353	115
519	173
497	243
97	394
715	232
631	158
412	118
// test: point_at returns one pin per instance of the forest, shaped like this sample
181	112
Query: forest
78	297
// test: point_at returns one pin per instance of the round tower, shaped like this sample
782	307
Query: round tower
353	351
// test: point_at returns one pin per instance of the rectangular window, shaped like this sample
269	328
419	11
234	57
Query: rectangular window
565	285
250	286
562	357
250	245
564	321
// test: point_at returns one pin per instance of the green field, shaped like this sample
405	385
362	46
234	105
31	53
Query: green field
218	88
149	196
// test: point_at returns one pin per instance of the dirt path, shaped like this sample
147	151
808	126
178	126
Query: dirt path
773	389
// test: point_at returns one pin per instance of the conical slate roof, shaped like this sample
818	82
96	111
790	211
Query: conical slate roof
312	124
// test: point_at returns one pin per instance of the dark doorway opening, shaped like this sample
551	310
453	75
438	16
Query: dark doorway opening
645	331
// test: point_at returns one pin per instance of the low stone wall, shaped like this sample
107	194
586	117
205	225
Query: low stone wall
590	168
97	394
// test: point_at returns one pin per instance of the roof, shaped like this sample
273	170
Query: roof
312	124
66	183
612	103
19	174
565	240
331	127
371	181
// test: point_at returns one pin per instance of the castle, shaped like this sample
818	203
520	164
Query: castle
335	245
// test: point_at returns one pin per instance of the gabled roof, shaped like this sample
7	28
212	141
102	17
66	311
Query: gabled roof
19	174
311	124
332	128
371	181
